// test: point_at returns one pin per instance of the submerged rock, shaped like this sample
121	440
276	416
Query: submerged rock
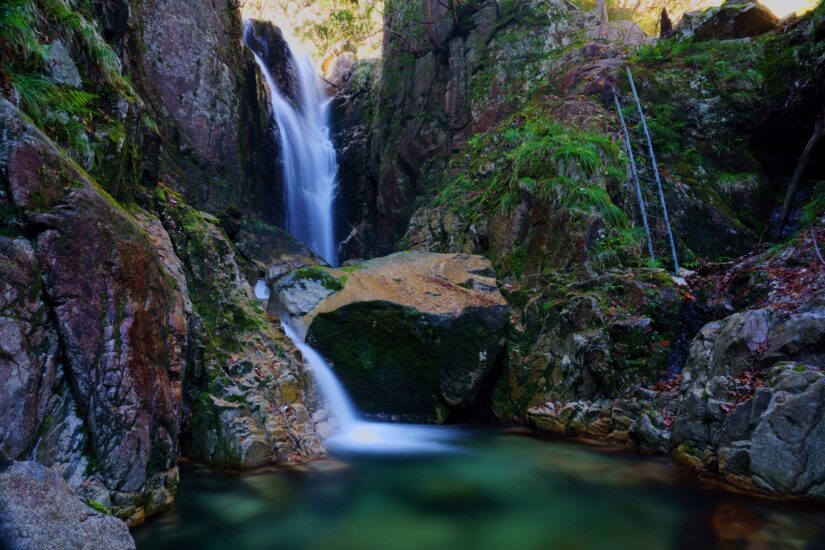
412	336
38	509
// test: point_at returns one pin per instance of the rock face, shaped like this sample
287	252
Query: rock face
268	43
112	407
775	441
733	19
764	434
28	349
412	336
38	509
465	74
190	57
485	71
208	90
248	400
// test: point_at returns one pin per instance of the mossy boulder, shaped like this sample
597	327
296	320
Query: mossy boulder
413	336
591	341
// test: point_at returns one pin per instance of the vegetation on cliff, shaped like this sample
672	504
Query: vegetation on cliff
141	186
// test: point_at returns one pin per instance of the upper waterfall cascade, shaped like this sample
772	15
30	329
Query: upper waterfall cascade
309	162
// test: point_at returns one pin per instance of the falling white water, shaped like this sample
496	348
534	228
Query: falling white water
360	436
310	178
261	290
310	166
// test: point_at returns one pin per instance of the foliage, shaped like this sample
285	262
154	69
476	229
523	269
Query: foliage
98	507
328	25
816	205
85	32
734	183
28	29
60	110
533	154
646	13
17	32
348	24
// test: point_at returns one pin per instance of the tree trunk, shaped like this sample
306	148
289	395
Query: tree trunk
665	24
601	13
819	131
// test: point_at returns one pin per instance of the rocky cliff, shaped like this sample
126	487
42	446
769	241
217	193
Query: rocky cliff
130	334
140	192
490	129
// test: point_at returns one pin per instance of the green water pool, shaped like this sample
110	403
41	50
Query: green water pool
496	490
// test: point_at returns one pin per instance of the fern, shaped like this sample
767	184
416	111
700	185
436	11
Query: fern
35	92
735	183
39	95
86	32
18	39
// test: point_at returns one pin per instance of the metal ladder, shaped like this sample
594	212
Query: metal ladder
645	175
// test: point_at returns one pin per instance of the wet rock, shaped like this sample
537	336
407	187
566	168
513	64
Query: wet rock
266	244
412	336
733	19
352	106
268	43
302	290
38	509
113	16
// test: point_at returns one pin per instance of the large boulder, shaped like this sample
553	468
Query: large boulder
111	416
754	396
775	441
38	509
733	19
413	336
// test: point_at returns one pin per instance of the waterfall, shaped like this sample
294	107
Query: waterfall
310	177
355	434
310	165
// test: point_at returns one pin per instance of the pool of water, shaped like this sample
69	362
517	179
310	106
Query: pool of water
492	490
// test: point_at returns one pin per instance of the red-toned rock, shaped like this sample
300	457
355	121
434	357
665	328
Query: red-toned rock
119	316
28	349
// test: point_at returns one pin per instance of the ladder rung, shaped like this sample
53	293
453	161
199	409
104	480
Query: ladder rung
647	179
